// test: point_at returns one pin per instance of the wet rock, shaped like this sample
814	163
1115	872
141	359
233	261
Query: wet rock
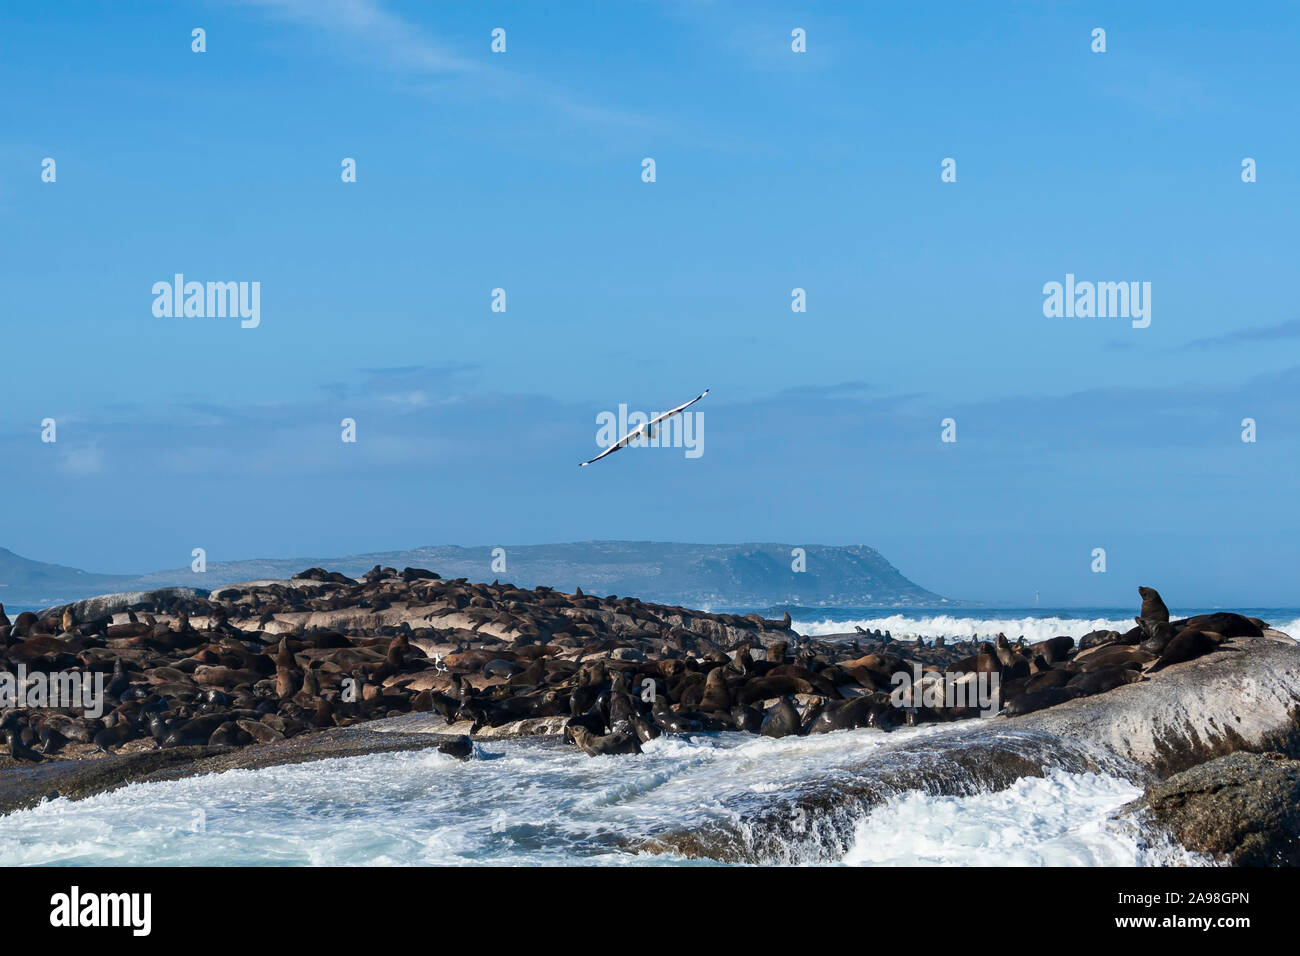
1242	809
529	727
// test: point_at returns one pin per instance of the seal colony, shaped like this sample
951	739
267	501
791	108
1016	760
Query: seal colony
264	661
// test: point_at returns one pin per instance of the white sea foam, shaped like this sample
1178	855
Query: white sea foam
962	628
539	802
1062	819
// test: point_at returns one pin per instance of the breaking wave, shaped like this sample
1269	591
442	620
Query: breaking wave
941	794
965	628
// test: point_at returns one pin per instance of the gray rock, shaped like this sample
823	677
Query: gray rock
92	609
529	727
1241	697
1243	809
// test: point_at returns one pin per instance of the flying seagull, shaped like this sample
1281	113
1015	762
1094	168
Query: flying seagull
646	431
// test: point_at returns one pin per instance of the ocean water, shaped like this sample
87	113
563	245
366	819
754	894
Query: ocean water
1062	819
1035	624
537	802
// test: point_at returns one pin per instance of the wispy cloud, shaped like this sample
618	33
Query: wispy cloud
1255	333
430	382
367	31
82	461
838	388
382	37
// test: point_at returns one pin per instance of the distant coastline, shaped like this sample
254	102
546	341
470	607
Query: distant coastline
750	575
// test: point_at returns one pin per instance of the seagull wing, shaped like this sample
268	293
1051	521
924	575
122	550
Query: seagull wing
641	430
621	443
679	408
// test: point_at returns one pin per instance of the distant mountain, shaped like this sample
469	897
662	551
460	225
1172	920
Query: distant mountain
23	581
695	575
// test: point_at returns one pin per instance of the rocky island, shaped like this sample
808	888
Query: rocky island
322	664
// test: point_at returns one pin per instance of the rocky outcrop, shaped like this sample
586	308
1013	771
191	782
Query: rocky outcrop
1243	809
106	605
815	820
266	667
264	661
78	779
1244	696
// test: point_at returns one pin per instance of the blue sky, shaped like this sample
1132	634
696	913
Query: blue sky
775	170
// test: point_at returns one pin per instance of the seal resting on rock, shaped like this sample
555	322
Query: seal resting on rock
1028	703
855	713
1158	634
1102	679
1054	650
593	746
1225	624
1188	644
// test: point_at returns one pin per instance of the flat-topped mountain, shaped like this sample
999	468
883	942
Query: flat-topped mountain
694	575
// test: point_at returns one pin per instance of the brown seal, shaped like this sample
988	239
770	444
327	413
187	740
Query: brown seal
594	746
1153	608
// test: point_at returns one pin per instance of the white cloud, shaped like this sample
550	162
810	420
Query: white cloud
82	461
